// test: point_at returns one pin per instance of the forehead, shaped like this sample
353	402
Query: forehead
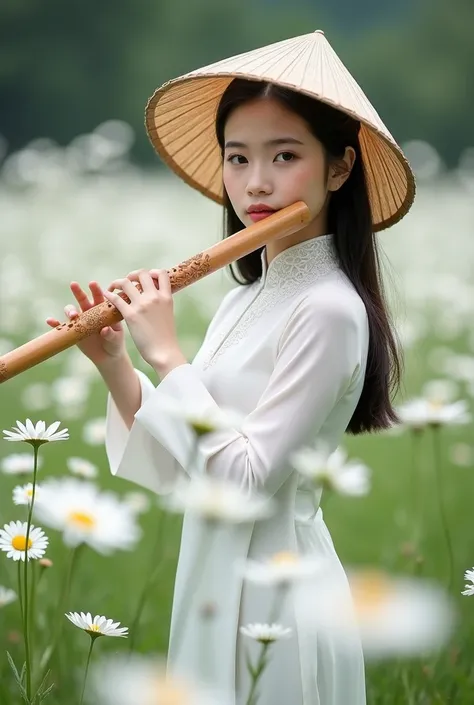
263	118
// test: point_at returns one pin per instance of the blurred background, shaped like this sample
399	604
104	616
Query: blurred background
84	197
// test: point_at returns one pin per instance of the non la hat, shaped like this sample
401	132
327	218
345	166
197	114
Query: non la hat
180	119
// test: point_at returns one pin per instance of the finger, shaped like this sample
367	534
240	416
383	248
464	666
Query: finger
97	294
164	281
52	322
147	282
81	296
117	301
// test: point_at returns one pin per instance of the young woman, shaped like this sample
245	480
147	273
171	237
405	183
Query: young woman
302	346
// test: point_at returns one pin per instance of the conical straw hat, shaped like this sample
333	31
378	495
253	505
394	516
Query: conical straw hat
180	118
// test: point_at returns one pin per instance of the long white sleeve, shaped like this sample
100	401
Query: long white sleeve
319	352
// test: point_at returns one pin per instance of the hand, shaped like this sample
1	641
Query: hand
101	347
149	315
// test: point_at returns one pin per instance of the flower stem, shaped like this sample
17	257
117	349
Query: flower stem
20	591
441	505
417	488
87	668
256	673
25	579
152	573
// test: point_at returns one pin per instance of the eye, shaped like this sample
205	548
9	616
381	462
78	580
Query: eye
286	154
236	156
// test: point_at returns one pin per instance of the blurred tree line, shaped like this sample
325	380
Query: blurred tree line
67	67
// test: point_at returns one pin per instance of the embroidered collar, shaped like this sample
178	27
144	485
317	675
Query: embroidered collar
311	258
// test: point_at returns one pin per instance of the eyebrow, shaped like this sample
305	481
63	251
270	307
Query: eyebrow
270	143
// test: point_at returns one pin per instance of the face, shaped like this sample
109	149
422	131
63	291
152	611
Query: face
272	158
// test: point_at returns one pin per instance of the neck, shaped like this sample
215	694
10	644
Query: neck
312	230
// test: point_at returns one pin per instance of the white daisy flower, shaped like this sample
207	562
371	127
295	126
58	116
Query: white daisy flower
266	633
6	596
94	432
392	616
19	464
203	422
22	494
82	467
332	470
85	514
139	502
462	454
469	589
97	626
36	435
13	541
36	397
282	567
217	500
420	413
137	679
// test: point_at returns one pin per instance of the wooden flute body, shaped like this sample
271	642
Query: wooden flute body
280	224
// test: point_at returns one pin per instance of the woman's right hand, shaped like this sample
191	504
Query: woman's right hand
101	347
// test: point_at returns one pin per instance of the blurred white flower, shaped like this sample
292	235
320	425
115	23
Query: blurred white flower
217	500
97	626
139	502
6	596
19	464
38	434
94	432
283	567
392	616
331	470
420	413
202	422
13	541
84	514
462	454
81	467
22	494
70	390
141	680
440	390
469	576
36	397
266	633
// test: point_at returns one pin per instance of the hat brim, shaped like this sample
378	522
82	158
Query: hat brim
180	123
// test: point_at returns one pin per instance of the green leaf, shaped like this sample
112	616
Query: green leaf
46	692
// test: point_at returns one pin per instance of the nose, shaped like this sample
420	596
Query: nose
258	183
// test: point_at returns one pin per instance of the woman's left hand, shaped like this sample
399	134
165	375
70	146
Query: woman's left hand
149	315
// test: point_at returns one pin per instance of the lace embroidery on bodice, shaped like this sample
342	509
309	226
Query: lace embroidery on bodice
288	274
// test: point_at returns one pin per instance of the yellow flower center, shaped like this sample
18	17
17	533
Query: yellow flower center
19	543
370	590
170	694
29	492
284	558
435	404
94	628
82	520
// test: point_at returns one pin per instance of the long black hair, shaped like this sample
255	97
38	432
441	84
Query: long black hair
350	223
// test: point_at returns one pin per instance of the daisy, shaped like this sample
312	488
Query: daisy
420	413
97	626
23	494
392	616
469	589
6	596
36	435
217	500
138	502
20	464
133	679
13	541
85	514
332	470
266	633
281	568
94	432
203	422
81	467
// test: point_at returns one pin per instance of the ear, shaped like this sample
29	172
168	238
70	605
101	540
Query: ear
339	171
